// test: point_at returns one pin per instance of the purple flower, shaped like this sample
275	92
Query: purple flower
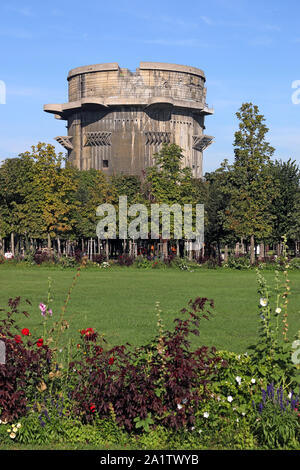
43	309
50	312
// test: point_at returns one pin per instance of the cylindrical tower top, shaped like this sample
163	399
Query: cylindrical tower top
117	85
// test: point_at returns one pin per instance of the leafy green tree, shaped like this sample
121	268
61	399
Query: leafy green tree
14	174
286	176
48	192
167	182
217	202
250	182
93	189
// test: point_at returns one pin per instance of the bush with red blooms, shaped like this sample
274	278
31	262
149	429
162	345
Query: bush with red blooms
125	260
164	378
27	363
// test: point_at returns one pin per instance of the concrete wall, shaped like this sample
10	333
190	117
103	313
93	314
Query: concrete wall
117	119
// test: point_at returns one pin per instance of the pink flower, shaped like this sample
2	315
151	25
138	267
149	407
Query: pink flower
50	312
42	309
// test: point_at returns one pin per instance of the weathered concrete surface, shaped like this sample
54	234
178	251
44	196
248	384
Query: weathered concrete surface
117	119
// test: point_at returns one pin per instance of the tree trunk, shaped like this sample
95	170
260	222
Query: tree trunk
165	248
261	250
278	249
107	250
252	250
226	254
12	243
49	242
237	248
58	247
1	246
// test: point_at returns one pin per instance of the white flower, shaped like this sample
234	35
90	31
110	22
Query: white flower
253	381
206	414
290	395
278	310
263	302
238	379
200	431
19	425
237	420
243	414
229	398
179	406
12	435
192	428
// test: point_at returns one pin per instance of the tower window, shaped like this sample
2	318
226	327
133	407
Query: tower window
105	163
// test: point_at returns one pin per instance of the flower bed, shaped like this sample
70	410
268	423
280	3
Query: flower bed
160	395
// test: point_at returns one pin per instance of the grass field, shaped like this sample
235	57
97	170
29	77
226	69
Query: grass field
120	302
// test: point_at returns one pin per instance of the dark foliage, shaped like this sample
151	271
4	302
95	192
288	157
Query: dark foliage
26	365
125	260
164	378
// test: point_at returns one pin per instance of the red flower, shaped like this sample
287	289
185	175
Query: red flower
89	331
111	360
25	332
93	407
18	339
40	342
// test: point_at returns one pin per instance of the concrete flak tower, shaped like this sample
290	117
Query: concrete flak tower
117	119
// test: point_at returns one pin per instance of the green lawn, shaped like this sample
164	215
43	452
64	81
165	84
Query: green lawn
120	302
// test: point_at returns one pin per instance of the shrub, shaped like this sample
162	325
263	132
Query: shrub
67	261
125	260
162	382
27	365
237	262
99	258
143	263
42	257
295	263
277	420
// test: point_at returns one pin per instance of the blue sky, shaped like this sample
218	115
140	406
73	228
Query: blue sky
249	51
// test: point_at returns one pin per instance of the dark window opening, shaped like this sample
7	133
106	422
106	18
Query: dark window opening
105	163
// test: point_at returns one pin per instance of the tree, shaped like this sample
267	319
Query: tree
286	176
167	182
48	192
216	205
93	189
251	185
